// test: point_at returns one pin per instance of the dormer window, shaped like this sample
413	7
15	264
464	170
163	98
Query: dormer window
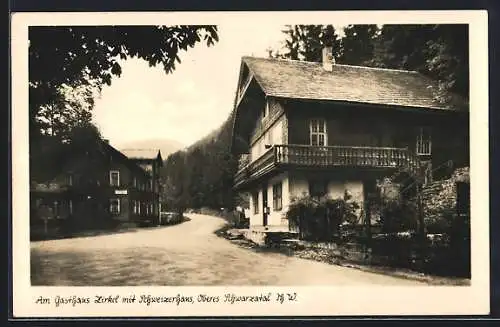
318	132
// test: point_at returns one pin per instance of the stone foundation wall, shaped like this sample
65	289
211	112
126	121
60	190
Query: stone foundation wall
439	198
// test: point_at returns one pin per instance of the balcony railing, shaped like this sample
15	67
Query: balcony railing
329	156
49	187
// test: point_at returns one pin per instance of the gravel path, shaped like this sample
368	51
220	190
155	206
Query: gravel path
181	255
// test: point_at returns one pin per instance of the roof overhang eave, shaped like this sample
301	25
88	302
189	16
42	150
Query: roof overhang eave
372	104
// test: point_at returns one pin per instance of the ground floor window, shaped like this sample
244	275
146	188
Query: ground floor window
114	206
277	197
135	209
255	202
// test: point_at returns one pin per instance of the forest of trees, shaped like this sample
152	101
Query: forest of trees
202	176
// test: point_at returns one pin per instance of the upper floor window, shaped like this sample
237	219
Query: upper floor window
277	196
265	111
70	179
135	181
318	132
114	178
424	142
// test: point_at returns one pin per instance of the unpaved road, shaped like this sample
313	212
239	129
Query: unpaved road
185	254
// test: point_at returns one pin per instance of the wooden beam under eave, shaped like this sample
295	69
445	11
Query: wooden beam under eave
243	91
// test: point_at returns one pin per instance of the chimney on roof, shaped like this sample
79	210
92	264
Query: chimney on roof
106	141
328	59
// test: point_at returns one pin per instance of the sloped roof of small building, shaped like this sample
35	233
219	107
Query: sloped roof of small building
309	80
99	147
141	153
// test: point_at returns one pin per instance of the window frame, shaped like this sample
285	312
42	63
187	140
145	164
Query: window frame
118	206
255	202
317	133
278	196
57	208
422	144
111	172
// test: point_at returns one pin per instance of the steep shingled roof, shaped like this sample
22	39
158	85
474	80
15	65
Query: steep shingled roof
307	80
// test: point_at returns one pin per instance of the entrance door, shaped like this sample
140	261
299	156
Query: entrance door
264	205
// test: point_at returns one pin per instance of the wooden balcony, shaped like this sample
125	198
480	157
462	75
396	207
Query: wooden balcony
48	187
327	157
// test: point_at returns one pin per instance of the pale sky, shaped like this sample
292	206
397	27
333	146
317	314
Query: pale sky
145	103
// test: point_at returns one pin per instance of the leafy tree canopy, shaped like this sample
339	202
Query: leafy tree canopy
86	57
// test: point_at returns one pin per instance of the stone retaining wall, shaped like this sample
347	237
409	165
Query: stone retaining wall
439	198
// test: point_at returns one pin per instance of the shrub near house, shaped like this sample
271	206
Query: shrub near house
322	219
395	241
170	218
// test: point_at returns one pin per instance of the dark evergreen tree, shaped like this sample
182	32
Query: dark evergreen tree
358	44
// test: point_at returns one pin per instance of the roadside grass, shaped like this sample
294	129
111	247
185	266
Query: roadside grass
326	257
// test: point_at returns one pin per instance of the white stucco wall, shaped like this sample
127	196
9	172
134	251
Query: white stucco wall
278	217
274	135
256	219
299	186
275	217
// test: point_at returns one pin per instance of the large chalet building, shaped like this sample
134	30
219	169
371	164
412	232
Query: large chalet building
303	128
98	187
